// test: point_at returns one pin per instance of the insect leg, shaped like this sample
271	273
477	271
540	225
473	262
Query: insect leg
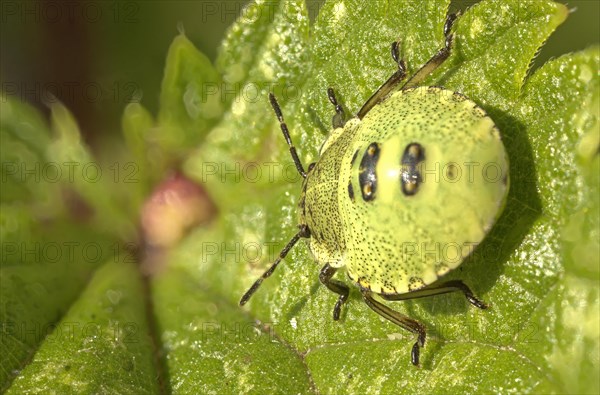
396	55
445	287
338	120
335	286
304	232
418	77
388	86
437	59
401	320
286	134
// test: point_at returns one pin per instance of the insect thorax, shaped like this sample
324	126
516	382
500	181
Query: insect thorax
319	203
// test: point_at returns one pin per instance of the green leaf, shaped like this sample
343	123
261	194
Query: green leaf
137	126
42	165
563	114
543	303
538	268
43	270
47	258
190	97
101	345
22	153
487	64
208	333
83	174
273	54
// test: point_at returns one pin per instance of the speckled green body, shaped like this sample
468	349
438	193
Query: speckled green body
397	243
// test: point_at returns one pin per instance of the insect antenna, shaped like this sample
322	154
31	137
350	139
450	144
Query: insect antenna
303	232
286	134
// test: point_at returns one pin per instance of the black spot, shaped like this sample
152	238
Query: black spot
311	166
451	171
350	191
410	177
367	177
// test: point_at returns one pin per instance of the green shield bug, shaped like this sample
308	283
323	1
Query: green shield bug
401	193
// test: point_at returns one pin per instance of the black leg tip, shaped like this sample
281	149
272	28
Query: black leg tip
331	96
336	311
480	304
414	355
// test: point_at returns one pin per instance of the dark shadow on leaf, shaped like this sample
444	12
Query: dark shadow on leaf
316	121
299	305
432	350
481	270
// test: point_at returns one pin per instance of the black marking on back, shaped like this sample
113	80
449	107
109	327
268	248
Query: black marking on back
367	177
410	177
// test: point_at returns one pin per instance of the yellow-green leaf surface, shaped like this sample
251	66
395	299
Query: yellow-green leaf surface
42	273
219	350
101	345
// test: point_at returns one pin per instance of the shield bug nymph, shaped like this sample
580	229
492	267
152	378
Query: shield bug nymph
376	196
